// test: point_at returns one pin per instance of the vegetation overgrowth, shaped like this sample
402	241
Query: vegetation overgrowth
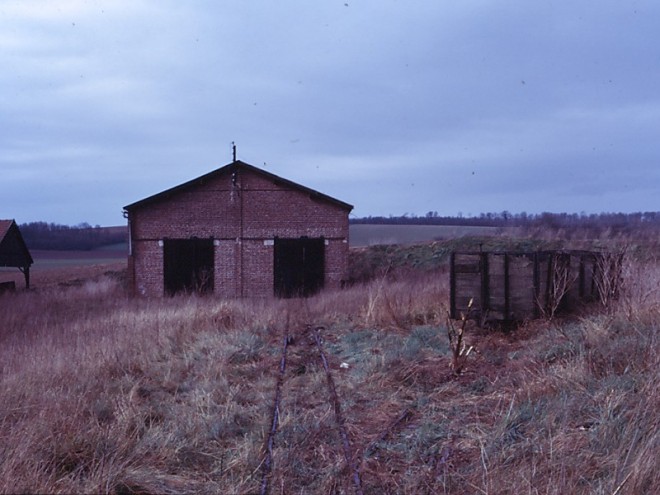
101	393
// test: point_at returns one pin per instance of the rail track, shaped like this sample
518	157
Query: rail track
315	339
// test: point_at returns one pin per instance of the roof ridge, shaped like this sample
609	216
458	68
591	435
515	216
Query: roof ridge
225	168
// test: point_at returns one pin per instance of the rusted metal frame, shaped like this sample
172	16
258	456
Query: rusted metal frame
485	286
593	290
452	286
339	417
549	283
537	286
565	271
507	288
268	460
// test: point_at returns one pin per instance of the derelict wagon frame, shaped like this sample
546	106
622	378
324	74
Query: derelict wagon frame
518	286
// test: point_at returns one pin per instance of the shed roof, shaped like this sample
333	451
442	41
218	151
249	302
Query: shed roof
13	250
230	168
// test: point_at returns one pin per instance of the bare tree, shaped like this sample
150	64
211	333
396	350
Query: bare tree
609	268
560	280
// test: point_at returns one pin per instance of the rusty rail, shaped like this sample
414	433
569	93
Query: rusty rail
267	465
339	417
267	462
404	416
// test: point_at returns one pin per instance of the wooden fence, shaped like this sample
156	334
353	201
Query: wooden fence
517	286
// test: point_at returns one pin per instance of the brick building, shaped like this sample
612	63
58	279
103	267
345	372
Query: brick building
238	231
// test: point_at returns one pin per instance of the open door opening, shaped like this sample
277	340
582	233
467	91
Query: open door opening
188	265
299	266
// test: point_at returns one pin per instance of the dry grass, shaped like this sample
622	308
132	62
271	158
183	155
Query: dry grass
100	393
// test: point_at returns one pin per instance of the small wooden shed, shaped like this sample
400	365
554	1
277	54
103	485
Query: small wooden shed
518	286
13	250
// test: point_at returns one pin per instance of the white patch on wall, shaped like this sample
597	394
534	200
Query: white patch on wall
161	243
327	242
269	242
216	242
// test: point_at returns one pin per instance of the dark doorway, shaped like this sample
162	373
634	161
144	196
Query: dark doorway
188	265
299	266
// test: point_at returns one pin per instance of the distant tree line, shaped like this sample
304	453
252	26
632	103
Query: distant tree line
83	237
52	236
615	222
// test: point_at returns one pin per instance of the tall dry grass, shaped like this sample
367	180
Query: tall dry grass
105	394
100	393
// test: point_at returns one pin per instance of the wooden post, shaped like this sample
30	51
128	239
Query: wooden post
25	270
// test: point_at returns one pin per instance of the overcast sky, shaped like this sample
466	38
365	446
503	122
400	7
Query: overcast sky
393	106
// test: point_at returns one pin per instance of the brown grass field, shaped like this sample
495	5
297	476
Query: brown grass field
102	393
53	268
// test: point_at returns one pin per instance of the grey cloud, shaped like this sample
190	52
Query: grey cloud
392	106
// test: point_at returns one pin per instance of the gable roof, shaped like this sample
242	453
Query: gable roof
4	228
231	168
13	250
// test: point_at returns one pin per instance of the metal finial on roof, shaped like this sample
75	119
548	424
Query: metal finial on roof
233	150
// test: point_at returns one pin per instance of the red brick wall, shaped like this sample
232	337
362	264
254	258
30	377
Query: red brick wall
243	215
